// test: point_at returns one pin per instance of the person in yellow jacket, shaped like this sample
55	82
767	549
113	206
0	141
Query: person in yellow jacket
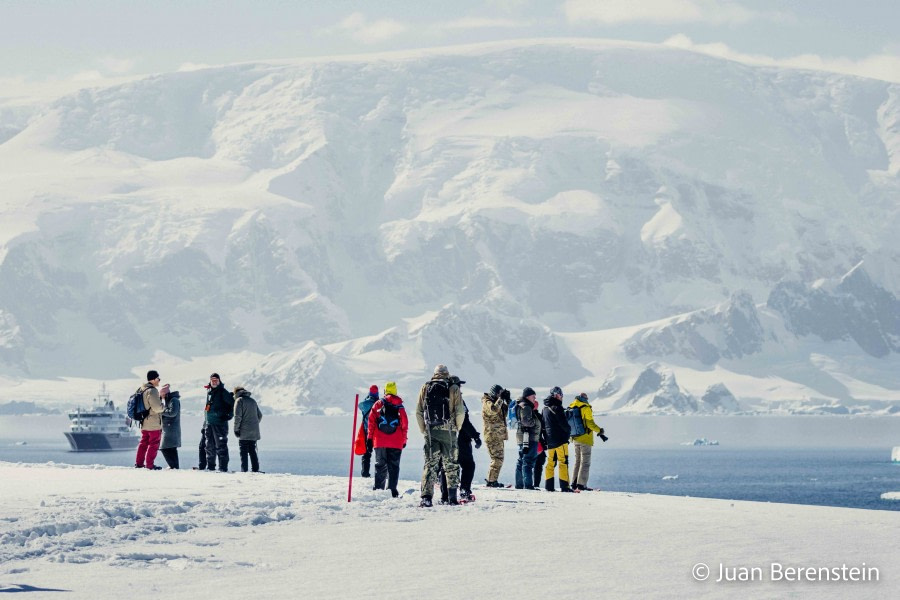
584	443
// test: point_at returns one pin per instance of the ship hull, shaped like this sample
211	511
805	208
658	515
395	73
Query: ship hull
101	442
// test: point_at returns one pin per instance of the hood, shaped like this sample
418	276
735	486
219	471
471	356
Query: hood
173	395
551	402
395	400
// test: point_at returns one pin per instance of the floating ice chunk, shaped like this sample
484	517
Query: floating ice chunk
701	442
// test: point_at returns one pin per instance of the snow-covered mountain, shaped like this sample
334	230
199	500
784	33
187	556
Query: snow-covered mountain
531	213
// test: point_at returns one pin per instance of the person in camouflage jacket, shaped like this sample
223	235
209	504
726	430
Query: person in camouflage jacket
494	406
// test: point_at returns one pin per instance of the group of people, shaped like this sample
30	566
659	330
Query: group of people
161	425
542	437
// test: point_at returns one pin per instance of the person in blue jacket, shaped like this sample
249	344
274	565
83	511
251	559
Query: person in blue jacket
364	407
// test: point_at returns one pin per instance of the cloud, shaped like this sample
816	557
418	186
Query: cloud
362	30
885	66
482	23
617	12
118	66
190	66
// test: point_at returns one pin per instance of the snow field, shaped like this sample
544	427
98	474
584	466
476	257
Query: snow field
104	532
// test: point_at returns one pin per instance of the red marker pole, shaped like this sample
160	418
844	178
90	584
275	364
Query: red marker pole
352	444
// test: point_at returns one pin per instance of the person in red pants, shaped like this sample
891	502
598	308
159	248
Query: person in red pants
151	426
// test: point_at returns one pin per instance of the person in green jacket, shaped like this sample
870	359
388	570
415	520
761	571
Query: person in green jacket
584	443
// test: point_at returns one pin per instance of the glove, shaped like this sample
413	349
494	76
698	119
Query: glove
477	443
404	444
504	395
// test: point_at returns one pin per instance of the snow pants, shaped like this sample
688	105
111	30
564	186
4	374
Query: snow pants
217	446
440	450
466	470
525	466
248	449
202	464
558	455
495	451
387	467
582	468
366	459
539	461
171	456
147	448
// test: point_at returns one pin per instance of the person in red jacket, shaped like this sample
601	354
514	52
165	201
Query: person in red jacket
388	426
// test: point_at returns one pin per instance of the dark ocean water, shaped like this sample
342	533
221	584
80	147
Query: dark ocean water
749	468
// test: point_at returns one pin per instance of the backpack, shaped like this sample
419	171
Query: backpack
525	414
135	407
388	417
576	422
437	402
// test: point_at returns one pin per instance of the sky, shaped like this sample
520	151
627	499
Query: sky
51	45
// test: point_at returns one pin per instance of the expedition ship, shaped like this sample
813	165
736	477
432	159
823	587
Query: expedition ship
101	428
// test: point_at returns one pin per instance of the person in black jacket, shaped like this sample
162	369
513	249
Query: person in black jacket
467	435
219	410
557	432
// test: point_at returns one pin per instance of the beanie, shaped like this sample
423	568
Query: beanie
151	375
528	392
390	388
496	390
556	390
216	375
442	370
373	390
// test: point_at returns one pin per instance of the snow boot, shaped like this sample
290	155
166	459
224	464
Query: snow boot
426	502
453	499
549	485
395	493
564	486
466	496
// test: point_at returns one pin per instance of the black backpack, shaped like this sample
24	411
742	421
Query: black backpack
437	402
525	414
388	417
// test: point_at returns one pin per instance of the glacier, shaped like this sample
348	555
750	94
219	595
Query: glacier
555	212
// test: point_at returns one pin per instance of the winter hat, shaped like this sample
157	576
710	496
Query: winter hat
528	392
151	375
373	390
496	390
442	370
238	389
390	388
216	375
556	390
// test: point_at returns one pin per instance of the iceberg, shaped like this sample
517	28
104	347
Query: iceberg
701	442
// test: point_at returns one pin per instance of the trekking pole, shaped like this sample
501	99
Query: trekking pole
352	444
